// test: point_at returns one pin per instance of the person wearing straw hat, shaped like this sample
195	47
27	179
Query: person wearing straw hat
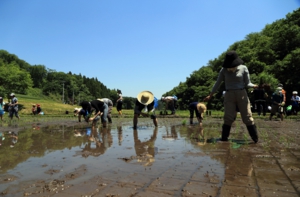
145	100
236	78
199	109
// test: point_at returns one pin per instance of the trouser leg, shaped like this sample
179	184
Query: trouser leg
253	132
225	132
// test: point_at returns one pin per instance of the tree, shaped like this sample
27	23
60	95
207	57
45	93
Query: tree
14	79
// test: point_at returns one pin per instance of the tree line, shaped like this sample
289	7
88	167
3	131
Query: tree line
272	56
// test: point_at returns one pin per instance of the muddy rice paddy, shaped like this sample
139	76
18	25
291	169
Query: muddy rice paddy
66	158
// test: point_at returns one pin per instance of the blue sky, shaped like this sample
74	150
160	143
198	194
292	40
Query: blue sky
132	45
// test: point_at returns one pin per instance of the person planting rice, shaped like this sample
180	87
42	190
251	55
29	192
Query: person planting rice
170	102
145	100
199	109
110	106
277	103
100	108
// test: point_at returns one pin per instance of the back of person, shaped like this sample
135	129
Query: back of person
259	94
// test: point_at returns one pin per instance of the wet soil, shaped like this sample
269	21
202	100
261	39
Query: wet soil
67	158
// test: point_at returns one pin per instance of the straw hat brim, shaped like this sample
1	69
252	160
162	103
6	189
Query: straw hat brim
201	107
145	94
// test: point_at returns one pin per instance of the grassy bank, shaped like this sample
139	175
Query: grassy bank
54	108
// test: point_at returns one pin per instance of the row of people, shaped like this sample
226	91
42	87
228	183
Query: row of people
236	77
260	100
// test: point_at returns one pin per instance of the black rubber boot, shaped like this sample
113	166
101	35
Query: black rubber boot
253	132
109	119
225	132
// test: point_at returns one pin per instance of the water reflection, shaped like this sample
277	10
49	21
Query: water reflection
171	135
83	141
120	135
99	140
145	150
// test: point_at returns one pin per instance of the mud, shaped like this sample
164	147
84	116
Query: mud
66	158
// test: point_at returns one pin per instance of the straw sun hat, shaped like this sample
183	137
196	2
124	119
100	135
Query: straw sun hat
201	107
145	97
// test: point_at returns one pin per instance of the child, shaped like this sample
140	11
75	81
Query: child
33	109
199	109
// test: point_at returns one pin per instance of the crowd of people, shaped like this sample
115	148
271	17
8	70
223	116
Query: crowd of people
236	78
276	103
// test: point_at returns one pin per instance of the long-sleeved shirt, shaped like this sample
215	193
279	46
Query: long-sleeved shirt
233	80
107	101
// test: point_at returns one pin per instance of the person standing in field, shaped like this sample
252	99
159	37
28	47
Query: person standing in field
199	109
147	102
295	103
277	103
1	108
260	99
236	77
110	106
13	107
283	92
119	102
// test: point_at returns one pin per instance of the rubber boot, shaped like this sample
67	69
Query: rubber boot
109	119
225	132
253	132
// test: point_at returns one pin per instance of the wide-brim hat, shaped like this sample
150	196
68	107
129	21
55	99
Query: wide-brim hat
12	94
232	60
145	97
201	107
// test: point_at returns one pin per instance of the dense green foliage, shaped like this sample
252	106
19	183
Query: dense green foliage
20	77
272	56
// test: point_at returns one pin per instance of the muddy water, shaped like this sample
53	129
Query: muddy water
171	160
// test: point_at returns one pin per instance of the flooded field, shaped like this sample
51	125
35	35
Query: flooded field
72	159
